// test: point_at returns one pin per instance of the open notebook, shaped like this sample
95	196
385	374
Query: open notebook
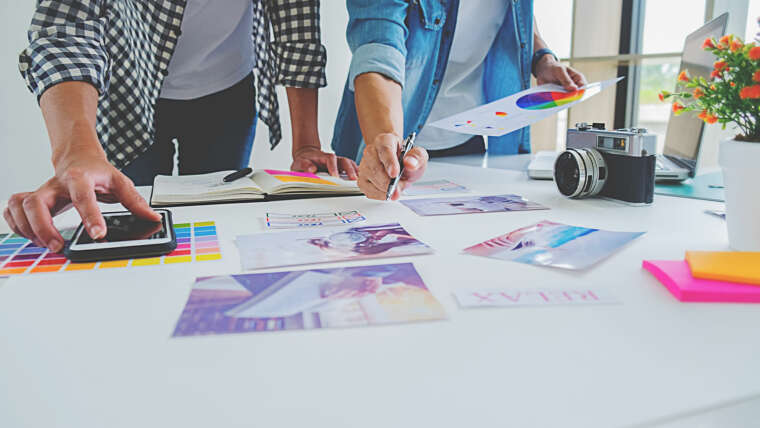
260	185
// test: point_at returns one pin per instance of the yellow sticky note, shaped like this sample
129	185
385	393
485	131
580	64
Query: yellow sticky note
730	266
178	259
147	262
204	223
206	257
114	264
80	266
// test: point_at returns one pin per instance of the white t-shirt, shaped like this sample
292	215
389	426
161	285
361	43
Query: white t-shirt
215	50
478	23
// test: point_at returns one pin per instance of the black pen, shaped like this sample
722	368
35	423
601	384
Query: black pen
408	144
237	174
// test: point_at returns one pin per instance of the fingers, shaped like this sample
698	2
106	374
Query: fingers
564	79
415	163
16	218
82	192
303	165
386	147
37	207
126	193
371	190
577	76
349	167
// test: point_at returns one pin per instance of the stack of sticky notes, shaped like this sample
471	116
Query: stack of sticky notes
710	276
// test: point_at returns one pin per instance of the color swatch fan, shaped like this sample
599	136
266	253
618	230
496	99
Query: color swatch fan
519	110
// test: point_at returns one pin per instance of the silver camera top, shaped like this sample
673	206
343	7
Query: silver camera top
627	141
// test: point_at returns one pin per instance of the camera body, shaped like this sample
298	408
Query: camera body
617	164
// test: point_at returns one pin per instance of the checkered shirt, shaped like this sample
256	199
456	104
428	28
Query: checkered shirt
123	48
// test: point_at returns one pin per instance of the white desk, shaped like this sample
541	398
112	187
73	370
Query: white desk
92	349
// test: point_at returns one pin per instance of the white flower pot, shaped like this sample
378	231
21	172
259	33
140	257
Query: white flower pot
740	162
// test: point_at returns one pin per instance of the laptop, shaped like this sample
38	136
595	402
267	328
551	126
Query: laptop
684	134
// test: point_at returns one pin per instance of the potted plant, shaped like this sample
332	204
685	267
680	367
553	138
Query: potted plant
731	96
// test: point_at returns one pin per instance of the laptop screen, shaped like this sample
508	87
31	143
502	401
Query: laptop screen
684	133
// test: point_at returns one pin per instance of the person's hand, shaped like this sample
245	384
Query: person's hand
81	181
380	164
312	159
549	70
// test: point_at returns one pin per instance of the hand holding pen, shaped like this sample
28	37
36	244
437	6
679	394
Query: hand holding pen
382	163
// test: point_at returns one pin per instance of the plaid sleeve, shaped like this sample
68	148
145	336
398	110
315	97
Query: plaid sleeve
66	43
298	49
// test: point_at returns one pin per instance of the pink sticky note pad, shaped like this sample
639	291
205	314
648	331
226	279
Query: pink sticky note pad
675	275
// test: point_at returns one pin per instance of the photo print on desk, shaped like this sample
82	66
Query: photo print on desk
471	205
308	299
434	187
296	221
196	241
554	244
267	250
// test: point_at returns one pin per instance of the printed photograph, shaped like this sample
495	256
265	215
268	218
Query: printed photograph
266	250
309	299
554	244
434	187
471	205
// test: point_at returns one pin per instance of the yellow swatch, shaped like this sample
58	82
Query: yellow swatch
80	266
114	264
204	223
12	271
730	266
205	257
147	262
291	179
178	259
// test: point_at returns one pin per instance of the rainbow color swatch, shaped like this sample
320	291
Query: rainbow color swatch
195	241
546	100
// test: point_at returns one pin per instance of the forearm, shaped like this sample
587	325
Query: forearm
303	104
70	110
378	105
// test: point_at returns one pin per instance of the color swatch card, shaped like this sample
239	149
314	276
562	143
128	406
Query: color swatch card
195	242
267	250
731	266
295	221
676	277
521	109
554	244
309	299
471	205
434	187
509	297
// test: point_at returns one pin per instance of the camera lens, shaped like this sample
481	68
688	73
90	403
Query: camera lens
580	173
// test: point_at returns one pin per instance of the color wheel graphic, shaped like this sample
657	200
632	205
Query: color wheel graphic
546	100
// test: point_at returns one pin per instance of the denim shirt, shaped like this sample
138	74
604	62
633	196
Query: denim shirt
409	42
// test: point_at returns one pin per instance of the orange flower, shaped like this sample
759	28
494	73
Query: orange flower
710	119
732	84
677	108
698	93
754	53
661	97
725	40
750	92
716	73
736	45
756	76
719	65
702	115
683	77
712	87
708	43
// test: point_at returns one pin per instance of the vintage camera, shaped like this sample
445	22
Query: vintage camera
613	164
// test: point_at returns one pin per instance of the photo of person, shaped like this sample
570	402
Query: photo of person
471	204
320	246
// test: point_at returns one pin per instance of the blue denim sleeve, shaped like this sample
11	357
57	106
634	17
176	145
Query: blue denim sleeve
377	35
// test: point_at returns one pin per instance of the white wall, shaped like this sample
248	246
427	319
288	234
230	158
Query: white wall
24	147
